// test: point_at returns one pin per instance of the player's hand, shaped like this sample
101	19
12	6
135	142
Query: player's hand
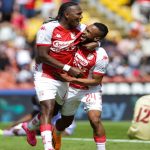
91	45
75	72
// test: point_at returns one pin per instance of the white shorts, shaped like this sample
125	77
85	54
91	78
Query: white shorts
47	88
91	99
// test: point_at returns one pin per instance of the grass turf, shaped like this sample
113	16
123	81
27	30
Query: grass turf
114	130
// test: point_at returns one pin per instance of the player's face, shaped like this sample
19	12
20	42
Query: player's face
91	33
74	16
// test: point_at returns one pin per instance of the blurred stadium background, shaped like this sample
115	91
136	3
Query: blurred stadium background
127	44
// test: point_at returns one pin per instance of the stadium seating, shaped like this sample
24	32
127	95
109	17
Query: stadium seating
119	7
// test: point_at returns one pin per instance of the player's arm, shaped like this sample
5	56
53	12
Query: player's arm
95	80
44	57
25	118
43	43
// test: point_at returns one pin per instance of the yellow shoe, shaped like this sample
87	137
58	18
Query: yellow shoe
56	140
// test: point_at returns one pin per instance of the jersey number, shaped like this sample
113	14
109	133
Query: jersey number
90	96
143	115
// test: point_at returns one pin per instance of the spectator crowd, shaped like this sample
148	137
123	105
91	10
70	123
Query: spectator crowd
19	21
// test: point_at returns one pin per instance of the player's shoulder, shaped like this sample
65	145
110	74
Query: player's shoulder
144	99
101	50
101	53
50	25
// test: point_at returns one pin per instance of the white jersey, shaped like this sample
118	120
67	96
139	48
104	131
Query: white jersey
140	127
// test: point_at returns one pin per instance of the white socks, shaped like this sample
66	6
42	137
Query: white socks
47	140
100	146
46	134
100	142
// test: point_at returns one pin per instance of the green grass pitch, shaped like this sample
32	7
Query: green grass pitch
81	139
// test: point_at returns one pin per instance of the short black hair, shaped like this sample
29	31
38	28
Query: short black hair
103	29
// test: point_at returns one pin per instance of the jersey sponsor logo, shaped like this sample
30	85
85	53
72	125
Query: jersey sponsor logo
72	35
80	60
62	44
58	35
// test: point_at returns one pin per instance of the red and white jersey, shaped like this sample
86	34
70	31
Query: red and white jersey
91	62
61	42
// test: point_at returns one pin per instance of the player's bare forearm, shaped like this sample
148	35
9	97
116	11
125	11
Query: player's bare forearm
43	57
87	82
83	81
26	118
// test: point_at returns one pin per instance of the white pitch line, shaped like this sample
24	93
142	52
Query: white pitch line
109	140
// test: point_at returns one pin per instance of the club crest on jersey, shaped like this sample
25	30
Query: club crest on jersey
58	35
90	56
72	35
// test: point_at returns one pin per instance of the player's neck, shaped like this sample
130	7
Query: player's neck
65	25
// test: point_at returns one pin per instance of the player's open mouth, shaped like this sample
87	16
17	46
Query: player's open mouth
82	38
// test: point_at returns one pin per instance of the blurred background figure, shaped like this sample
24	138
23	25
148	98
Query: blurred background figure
15	129
6	9
141	11
48	9
140	127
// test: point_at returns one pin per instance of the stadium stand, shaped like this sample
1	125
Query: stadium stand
127	43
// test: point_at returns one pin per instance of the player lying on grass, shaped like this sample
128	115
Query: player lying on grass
15	129
86	89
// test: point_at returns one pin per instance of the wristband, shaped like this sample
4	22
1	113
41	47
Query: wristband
66	67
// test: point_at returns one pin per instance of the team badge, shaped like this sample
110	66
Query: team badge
72	35
58	35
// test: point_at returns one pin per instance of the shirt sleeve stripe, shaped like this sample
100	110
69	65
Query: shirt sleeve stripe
98	73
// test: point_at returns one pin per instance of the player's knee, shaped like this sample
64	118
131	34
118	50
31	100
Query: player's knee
46	108
68	123
95	121
68	119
